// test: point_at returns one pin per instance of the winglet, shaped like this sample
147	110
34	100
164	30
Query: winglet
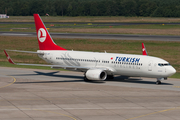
8	57
144	52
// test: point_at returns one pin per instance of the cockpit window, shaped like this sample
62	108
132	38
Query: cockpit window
163	64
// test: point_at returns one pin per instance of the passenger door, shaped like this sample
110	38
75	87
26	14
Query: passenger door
150	65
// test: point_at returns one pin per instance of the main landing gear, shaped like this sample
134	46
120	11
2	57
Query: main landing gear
110	77
85	79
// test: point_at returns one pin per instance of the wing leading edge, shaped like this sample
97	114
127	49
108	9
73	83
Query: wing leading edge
24	51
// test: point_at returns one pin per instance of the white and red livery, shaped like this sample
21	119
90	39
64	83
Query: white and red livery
95	65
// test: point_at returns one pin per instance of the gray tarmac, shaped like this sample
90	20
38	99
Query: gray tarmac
33	94
98	36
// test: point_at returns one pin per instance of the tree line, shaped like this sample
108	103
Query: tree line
151	8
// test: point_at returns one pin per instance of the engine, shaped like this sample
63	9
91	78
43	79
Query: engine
96	74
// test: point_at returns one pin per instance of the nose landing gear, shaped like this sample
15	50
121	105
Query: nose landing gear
159	80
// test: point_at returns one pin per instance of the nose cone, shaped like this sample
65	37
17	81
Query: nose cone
171	71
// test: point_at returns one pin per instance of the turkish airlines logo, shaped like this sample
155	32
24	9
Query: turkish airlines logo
143	49
41	34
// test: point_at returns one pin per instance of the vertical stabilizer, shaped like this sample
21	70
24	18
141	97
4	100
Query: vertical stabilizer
44	39
144	52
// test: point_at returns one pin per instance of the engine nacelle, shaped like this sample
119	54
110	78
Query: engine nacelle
96	74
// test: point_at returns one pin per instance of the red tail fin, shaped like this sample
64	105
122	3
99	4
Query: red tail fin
44	39
144	52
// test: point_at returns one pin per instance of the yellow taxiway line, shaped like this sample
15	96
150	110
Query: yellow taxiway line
9	83
58	114
154	113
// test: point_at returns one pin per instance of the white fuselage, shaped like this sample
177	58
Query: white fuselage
119	64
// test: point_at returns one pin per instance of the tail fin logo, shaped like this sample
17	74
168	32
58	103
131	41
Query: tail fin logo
41	34
143	49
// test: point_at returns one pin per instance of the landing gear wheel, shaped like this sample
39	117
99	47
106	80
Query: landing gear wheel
158	82
110	76
85	79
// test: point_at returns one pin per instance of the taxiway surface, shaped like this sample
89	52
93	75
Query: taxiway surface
31	94
98	36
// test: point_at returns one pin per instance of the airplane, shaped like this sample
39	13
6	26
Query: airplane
144	51
96	65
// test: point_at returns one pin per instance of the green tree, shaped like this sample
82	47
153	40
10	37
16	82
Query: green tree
129	7
158	12
94	8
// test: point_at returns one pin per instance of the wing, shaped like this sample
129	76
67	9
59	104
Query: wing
52	66
23	52
78	68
